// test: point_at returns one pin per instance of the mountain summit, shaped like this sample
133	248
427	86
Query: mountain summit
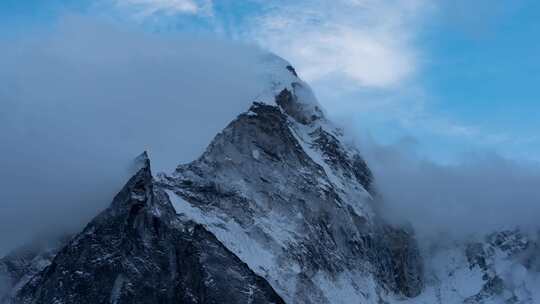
283	192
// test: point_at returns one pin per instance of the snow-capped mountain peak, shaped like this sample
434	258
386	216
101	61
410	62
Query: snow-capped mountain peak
281	191
278	209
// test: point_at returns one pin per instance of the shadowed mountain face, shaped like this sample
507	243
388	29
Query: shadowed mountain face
139	251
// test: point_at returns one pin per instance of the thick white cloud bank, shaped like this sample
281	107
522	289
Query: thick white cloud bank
81	100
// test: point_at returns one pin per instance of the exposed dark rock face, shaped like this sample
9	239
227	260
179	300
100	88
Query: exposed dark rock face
292	70
139	251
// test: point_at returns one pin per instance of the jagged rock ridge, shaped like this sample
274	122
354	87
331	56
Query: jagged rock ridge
140	251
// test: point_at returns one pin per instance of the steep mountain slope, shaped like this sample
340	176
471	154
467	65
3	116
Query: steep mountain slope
139	251
282	191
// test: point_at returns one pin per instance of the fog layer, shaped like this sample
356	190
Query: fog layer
80	100
480	193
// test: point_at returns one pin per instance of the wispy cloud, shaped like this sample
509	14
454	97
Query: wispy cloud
145	8
364	41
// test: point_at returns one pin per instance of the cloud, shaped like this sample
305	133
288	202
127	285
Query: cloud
368	59
367	42
146	8
362	56
473	193
4	286
480	194
79	101
172	94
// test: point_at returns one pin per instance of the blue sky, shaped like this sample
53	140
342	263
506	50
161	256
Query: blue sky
450	76
484	74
